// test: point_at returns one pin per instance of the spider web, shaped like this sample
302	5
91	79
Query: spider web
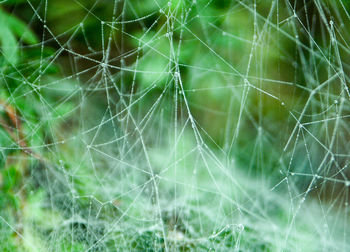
194	125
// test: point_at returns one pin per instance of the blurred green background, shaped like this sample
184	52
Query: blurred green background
174	125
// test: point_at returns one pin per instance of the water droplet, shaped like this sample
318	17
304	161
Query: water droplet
240	227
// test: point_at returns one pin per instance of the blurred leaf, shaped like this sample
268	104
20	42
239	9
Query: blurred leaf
10	178
10	28
9	48
21	30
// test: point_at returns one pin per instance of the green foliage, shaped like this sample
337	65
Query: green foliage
163	125
11	27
